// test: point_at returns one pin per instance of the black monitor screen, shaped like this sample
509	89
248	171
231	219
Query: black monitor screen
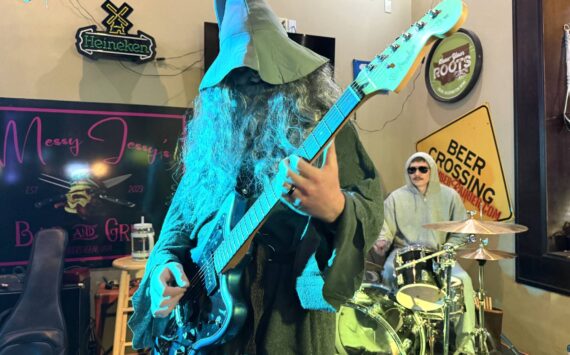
321	45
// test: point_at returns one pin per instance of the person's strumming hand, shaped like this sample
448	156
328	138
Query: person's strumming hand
167	286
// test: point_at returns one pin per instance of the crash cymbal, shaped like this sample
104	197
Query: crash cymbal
475	226
485	254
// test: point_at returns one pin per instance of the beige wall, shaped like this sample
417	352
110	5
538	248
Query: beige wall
39	61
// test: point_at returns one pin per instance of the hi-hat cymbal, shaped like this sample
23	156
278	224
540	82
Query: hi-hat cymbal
475	226
485	254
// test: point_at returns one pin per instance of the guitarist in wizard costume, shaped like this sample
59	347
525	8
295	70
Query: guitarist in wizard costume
258	101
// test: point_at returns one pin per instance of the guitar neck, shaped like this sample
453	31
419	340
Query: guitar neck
229	250
388	71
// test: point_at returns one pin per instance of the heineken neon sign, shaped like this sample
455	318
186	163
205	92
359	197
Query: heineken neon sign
116	42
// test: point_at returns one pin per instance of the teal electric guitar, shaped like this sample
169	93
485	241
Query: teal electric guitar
213	311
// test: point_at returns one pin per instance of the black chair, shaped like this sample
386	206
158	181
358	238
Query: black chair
36	324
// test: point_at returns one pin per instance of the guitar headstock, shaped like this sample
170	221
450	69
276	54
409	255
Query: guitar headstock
391	69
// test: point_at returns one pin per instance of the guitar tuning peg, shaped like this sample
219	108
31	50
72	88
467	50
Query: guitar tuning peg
407	36
395	47
420	25
382	57
434	13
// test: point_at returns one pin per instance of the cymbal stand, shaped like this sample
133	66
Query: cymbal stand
447	262
481	333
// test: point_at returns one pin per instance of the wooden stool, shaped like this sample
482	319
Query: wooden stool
127	265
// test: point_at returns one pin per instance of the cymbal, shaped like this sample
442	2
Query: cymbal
476	226
485	254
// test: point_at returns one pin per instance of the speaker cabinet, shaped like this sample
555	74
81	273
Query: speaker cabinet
74	304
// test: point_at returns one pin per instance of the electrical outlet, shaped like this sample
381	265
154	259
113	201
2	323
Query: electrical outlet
388	6
288	24
291	26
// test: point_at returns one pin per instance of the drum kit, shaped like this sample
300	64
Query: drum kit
408	319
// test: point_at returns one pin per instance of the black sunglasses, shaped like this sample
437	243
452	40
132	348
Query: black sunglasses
422	169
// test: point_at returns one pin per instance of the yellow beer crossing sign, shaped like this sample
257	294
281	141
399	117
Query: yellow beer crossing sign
468	161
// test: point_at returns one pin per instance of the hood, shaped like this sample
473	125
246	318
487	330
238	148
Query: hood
251	36
434	184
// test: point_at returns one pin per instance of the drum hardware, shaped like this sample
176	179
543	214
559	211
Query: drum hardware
476	226
408	329
418	288
470	239
447	261
482	255
373	322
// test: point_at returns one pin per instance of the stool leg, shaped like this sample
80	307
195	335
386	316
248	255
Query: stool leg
121	318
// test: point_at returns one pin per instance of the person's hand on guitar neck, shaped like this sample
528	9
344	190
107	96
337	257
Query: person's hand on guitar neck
311	191
167	286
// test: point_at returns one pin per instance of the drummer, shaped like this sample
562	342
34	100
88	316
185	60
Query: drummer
421	201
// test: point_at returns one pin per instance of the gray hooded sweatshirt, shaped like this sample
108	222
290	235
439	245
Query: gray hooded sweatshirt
406	210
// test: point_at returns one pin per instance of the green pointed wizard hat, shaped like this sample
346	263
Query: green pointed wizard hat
251	36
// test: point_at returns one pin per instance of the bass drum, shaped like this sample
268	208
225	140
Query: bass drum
371	323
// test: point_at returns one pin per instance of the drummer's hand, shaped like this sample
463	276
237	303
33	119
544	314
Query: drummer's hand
380	246
167	286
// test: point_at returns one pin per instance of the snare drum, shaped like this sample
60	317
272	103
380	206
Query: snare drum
418	286
371	323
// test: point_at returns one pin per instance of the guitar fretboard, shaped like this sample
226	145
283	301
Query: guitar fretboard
313	145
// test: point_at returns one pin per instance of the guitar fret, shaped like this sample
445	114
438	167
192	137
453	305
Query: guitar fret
271	201
258	211
232	242
335	118
248	226
311	146
275	188
217	262
321	134
239	235
264	203
219	254
253	216
302	152
349	101
244	232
